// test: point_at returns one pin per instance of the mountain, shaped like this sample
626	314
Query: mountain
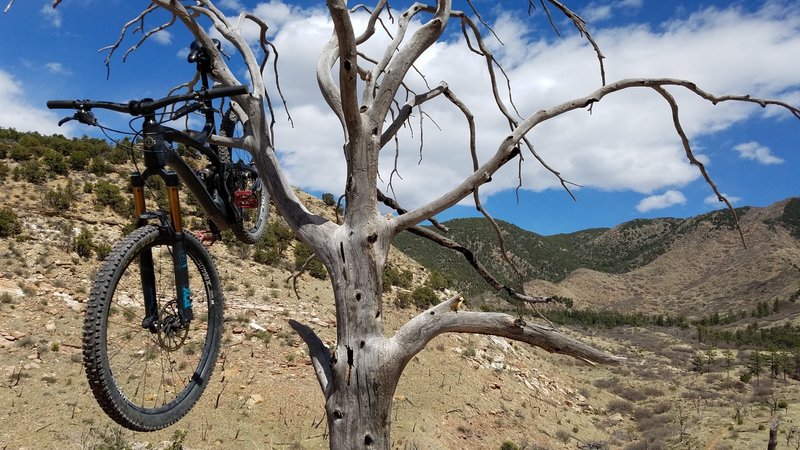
688	266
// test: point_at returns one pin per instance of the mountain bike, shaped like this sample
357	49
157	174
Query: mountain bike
154	317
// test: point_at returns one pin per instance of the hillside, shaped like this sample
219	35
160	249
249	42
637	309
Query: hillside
462	392
686	266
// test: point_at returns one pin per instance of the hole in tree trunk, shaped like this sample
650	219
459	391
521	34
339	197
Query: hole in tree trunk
367	440
361	345
337	414
349	364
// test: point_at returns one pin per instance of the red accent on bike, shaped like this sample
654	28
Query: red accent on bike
207	237
245	199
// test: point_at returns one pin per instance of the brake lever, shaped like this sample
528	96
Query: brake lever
184	110
83	116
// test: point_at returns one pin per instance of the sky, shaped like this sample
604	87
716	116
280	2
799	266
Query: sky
625	155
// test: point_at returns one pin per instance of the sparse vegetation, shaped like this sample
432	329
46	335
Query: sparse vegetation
84	246
9	223
314	266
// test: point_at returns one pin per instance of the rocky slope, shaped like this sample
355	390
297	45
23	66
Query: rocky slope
462	392
683	266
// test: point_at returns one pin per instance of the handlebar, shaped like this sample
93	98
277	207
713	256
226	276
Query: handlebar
148	106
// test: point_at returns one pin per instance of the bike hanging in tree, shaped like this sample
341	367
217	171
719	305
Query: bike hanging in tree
154	318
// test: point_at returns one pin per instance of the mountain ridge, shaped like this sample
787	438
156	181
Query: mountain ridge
636	263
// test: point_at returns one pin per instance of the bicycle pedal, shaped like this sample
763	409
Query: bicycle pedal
245	199
207	237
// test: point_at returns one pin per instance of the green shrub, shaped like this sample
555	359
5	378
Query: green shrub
424	296
328	199
83	243
315	268
99	166
58	199
271	247
437	281
56	162
117	155
20	153
9	223
31	171
102	249
109	194
4	170
396	277
509	445
5	147
403	300
746	377
78	160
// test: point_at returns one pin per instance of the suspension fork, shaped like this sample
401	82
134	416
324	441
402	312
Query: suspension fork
174	227
179	257
146	269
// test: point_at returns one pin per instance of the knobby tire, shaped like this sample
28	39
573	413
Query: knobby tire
145	380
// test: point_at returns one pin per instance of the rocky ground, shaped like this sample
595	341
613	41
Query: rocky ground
461	392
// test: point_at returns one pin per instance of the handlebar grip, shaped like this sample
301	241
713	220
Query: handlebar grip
226	91
61	104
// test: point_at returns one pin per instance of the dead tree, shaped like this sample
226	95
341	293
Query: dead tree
358	376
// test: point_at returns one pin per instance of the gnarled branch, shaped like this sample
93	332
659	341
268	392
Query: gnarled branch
319	353
508	148
412	337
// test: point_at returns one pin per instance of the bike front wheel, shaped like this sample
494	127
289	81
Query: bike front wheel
146	377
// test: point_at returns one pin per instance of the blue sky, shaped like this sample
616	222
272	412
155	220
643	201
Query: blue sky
626	154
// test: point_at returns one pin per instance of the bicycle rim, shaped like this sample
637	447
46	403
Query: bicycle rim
146	379
252	220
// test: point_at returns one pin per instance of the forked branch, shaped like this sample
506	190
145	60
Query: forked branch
444	318
508	148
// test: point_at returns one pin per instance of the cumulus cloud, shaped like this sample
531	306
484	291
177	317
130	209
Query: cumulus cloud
57	68
18	114
665	200
52	15
627	143
712	200
230	4
595	12
756	152
163	37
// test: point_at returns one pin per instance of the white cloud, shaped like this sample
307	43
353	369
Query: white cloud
712	200
595	12
231	4
51	14
756	152
627	143
665	200
18	114
163	37
57	68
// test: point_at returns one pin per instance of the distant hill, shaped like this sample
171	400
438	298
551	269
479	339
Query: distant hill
697	258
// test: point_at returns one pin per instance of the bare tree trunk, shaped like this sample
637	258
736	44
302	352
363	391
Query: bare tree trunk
773	434
363	374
